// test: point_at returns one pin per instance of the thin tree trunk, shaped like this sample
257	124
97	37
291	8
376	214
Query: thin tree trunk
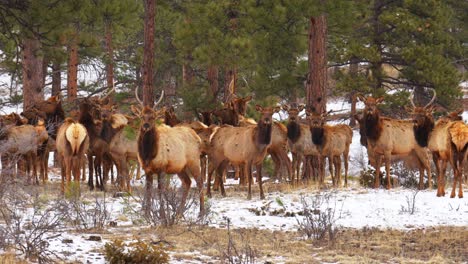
317	80
72	71
212	74
56	78
187	71
148	57
32	72
110	57
353	71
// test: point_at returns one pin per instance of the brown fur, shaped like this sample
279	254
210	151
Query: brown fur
170	117
299	140
387	137
71	150
164	149
332	142
243	146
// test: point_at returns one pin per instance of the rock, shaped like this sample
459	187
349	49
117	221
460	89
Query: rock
94	238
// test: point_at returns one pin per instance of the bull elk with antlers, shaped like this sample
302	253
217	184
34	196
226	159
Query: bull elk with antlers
446	139
242	146
72	145
332	142
164	149
387	137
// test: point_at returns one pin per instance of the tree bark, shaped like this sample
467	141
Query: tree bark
212	75
317	80
317	58
353	71
56	78
32	72
72	71
110	57
148	57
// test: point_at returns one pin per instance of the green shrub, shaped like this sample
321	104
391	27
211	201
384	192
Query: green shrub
118	252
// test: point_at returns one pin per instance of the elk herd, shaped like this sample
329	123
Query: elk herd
160	143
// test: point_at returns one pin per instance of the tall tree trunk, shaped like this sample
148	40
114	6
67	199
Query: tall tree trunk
317	56
56	78
212	75
229	92
187	71
353	71
32	72
72	71
317	80
376	67
110	56
169	88
148	57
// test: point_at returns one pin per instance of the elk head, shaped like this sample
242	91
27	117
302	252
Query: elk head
264	123
423	120
147	114
371	104
240	104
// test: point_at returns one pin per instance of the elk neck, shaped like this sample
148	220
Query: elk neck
372	126
263	132
107	132
422	131
148	145
318	135
294	131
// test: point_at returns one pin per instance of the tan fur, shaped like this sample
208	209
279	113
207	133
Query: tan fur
119	120
459	134
72	144
75	135
339	138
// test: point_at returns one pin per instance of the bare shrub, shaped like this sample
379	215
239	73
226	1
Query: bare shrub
410	206
320	215
235	254
84	214
163	207
28	224
135	252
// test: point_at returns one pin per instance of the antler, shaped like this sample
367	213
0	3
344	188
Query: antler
433	98
108	93
138	98
160	99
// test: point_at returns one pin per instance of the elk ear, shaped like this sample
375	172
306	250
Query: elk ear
379	100
285	107
248	98
258	108
358	118
301	107
276	109
135	110
459	111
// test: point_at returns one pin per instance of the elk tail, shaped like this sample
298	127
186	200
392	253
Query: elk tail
75	135
459	135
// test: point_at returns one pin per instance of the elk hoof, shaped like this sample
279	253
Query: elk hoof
460	195
452	195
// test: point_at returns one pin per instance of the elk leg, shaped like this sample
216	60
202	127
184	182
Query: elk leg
276	161
186	182
443	170
211	169
387	156
287	162
435	159
148	200
196	173
461	156
259	180
220	171
345	156
294	168
203	163
90	172
337	161
378	161
248	174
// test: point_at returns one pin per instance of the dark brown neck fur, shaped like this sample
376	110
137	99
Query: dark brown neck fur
263	133
373	127
148	145
422	132
294	131
318	135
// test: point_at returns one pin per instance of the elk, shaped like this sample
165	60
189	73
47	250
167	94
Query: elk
299	140
332	142
242	146
72	144
52	113
170	117
24	140
164	149
446	139
206	117
387	137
